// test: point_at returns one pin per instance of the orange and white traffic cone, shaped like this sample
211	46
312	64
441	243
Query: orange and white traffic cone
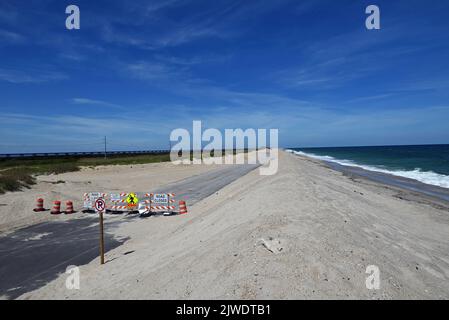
56	207
182	207
39	205
69	207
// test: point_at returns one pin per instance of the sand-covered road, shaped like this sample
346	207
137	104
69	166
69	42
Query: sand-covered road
35	255
16	208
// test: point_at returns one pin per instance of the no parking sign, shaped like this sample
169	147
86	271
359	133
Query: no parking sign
100	205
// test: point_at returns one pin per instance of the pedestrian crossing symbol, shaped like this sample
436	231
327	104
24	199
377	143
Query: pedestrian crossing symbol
132	200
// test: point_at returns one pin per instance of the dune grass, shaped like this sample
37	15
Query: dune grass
16	174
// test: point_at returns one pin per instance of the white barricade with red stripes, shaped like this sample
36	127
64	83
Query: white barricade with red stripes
90	198
147	203
118	202
157	202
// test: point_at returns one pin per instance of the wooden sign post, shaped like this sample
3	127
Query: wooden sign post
100	206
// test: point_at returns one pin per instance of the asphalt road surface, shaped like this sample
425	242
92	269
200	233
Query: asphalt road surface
35	255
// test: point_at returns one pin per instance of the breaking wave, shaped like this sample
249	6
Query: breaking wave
428	177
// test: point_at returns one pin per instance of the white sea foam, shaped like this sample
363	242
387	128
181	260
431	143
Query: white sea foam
428	177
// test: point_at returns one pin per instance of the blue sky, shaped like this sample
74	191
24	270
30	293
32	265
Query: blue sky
138	69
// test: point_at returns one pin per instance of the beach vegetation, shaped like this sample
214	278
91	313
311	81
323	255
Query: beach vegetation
18	173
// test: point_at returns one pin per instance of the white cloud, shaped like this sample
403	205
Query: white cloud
11	37
157	72
16	76
306	126
86	101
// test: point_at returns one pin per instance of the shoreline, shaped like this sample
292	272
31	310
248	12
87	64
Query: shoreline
436	193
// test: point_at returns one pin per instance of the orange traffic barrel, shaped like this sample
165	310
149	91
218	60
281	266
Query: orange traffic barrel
69	207
56	207
39	205
182	207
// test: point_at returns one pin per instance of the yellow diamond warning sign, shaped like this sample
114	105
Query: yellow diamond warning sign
132	200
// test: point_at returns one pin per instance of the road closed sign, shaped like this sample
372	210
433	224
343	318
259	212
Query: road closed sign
90	198
160	198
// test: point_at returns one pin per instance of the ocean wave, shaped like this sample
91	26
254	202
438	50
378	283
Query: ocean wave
428	177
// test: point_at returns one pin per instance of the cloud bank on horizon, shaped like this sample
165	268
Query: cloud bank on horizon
138	69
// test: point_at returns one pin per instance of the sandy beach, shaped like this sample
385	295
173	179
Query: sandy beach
308	232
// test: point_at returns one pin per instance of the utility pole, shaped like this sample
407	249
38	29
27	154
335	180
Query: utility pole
105	150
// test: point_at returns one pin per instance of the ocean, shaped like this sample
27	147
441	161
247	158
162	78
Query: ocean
428	164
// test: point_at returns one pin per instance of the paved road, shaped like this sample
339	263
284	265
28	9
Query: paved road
198	187
33	256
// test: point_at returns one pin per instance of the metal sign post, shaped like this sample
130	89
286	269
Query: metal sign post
100	206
